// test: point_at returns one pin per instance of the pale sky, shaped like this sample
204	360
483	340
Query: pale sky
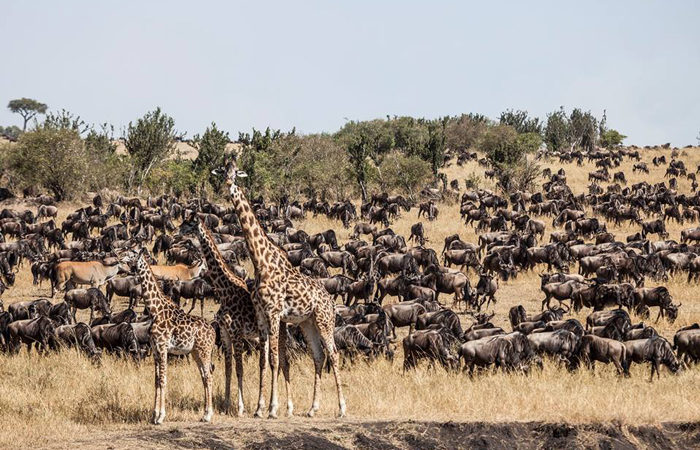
314	64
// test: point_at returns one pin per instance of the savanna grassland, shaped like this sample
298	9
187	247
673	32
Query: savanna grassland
64	400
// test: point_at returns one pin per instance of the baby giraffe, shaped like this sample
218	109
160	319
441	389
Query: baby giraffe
175	332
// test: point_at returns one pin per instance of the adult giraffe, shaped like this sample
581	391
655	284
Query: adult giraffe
282	294
176	332
236	316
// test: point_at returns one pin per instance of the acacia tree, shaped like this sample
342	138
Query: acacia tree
359	149
27	108
149	141
211	147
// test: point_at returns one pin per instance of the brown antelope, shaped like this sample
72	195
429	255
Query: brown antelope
93	273
178	272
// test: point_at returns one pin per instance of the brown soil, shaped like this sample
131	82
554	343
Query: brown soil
332	434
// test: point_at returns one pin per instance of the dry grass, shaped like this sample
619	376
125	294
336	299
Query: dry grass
48	400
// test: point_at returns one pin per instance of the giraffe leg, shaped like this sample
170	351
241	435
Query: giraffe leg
160	354
284	364
202	357
238	354
228	356
325	329
313	340
264	352
275	367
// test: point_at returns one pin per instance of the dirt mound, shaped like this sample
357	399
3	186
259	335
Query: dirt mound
312	434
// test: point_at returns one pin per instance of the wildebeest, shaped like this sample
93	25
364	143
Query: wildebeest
656	297
433	345
40	331
686	342
656	350
91	298
594	348
78	336
118	338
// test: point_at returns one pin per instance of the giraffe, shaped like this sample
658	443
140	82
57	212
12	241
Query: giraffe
176	332
236	315
282	295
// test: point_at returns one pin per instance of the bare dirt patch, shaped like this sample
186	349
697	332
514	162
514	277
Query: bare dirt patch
332	434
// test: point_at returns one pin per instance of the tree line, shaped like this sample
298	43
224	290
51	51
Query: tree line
66	156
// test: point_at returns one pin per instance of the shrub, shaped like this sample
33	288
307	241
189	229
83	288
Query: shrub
403	174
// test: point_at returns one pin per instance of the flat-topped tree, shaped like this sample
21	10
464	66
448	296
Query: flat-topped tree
28	108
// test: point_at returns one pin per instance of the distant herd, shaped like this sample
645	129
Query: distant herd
82	258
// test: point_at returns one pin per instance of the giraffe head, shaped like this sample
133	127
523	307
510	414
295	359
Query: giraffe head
232	172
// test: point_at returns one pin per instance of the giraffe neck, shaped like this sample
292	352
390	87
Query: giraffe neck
153	297
256	239
220	274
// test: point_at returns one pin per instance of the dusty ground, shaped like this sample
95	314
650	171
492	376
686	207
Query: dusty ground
333	434
64	401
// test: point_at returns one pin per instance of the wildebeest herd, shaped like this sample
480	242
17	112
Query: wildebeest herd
84	257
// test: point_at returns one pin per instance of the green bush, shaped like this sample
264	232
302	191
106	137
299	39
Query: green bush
403	174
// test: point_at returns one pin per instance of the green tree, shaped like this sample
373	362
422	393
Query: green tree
53	158
521	121
583	129
27	108
556	132
611	138
65	120
149	141
434	151
360	148
500	143
402	173
463	132
211	147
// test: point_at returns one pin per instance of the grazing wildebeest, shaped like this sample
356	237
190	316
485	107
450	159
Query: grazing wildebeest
686	342
91	298
594	348
195	289
656	350
118	338
40	331
432	345
656	297
78	336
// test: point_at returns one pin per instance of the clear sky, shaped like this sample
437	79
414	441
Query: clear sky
315	64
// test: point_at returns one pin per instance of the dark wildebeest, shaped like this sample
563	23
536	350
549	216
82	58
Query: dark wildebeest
686	342
350	341
417	233
462	258
91	298
445	318
404	315
486	288
485	352
594	348
561	344
126	316
40	331
195	289
124	287
118	338
432	345
656	350
78	336
656	297
561	291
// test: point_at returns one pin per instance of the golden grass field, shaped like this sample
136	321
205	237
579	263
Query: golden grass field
62	398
